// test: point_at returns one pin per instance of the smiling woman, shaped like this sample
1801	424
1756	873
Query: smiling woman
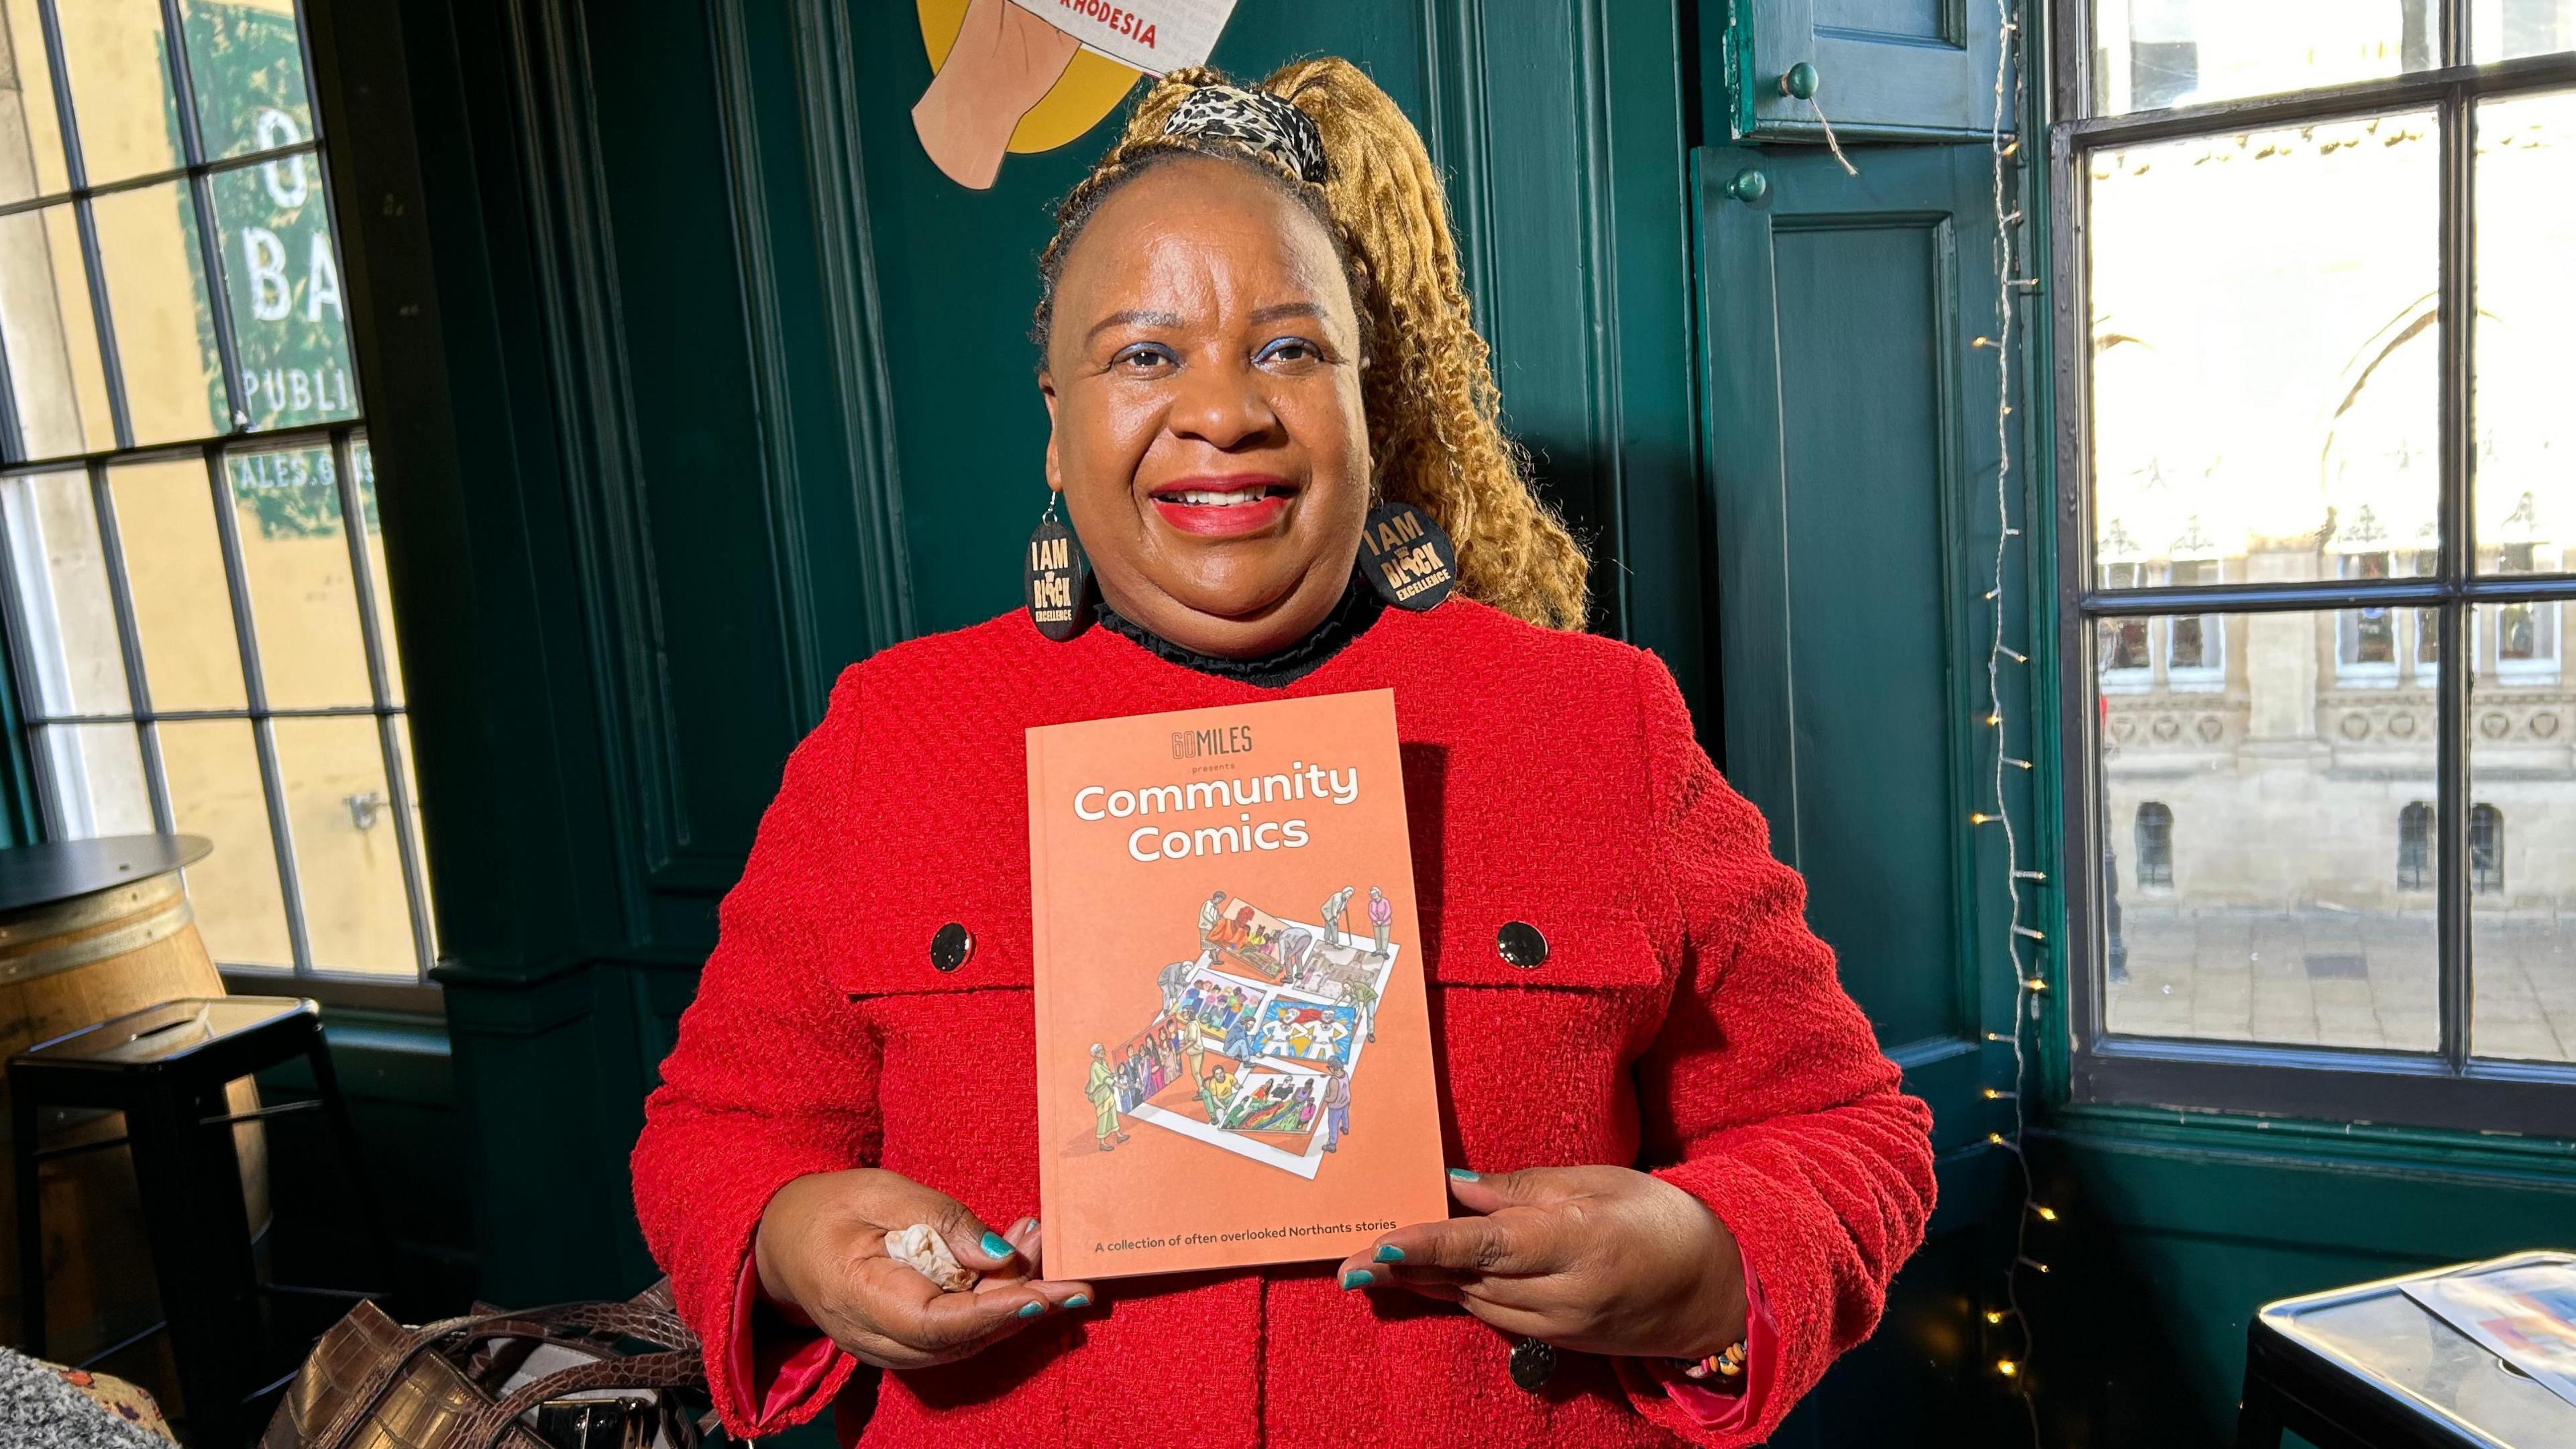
1253	339
1209	435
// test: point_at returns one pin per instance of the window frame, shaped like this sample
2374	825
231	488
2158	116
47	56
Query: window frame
2448	1088
197	173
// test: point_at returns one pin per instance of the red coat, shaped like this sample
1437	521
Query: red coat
1685	1021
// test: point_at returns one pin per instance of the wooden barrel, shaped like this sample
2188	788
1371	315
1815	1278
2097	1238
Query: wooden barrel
65	965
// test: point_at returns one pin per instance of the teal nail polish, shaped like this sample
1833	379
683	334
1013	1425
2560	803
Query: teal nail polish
997	1246
1464	1174
1079	1300
1389	1253
1032	1310
1358	1278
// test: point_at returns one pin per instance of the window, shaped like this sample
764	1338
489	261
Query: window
2195	644
2188	653
2415	847
188	524
2155	846
2332	436
2486	849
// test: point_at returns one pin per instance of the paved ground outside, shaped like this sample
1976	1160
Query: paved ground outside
2316	976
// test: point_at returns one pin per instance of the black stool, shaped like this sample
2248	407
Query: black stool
165	1067
2368	1368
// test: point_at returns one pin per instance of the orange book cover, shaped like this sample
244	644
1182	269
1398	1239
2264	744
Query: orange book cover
1234	1056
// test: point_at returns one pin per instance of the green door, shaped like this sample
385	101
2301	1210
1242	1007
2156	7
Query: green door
1851	451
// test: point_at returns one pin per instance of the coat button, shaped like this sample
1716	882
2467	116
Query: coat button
950	946
1532	1362
1522	945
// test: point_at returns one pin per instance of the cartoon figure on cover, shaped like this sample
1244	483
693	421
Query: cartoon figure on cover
1257	1038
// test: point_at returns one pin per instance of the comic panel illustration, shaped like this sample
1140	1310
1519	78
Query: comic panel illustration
1254	1044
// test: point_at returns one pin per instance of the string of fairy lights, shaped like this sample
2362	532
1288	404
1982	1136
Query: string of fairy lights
2004	144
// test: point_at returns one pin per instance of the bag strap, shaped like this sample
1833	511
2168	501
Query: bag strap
578	1323
670	1369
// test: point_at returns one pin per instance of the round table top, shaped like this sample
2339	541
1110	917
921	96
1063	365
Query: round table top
58	870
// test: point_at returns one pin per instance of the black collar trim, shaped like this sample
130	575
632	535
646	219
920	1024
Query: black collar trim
1359	608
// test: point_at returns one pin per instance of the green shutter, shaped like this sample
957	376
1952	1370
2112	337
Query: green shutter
1891	69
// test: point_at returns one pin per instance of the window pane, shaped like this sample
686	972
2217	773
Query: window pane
55	379
174	567
2509	28
213	772
156	290
2522	856
31	133
2253	842
71	644
2526	233
362	459
2266	349
295	557
120	82
347	853
246	62
96	775
2149	54
282	278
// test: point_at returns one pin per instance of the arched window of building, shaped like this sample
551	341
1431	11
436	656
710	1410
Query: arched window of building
2486	849
2155	845
2415	847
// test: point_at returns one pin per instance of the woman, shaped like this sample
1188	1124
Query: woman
1673	1144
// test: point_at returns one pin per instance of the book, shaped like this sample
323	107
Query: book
1233	1047
2522	1310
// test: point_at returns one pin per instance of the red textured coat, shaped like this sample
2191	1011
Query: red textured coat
1685	1021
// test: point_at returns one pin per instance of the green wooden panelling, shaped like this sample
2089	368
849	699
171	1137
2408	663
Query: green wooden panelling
1855	535
2174	1232
1854	525
397	1076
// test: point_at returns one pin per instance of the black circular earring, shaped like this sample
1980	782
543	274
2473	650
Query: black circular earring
1060	595
1407	556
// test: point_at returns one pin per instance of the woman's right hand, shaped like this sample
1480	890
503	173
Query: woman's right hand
820	1251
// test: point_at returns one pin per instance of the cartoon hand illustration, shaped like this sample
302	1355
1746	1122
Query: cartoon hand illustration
1005	60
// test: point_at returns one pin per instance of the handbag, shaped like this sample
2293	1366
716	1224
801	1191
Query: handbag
573	1376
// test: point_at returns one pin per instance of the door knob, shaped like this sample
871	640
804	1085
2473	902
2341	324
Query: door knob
1748	186
1800	81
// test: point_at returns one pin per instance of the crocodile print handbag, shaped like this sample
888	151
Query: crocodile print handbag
575	1376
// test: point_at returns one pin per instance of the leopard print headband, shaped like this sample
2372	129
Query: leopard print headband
1256	120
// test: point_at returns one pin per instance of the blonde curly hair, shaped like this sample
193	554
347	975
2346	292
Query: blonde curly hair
1433	409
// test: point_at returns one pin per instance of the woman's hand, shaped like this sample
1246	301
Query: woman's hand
1596	1259
1004	61
820	1251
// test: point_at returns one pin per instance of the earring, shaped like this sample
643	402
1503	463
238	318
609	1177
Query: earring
1407	557
1059	593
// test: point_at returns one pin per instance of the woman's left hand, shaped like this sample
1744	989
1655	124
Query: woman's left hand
1596	1259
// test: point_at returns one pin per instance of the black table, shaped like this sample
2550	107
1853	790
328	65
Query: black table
58	870
2367	1368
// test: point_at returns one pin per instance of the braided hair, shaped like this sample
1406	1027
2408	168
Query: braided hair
1433	410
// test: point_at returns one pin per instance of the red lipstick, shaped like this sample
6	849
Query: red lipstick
1228	505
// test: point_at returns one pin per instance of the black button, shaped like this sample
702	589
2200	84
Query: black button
1521	944
1532	1362
950	946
